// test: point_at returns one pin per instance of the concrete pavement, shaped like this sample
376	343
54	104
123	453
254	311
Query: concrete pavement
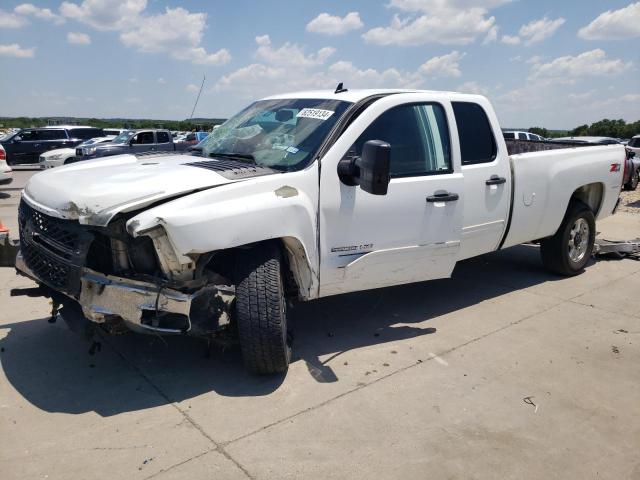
503	371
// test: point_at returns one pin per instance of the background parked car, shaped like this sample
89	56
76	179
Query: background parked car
112	131
130	141
634	145
26	146
5	169
58	157
595	140
518	135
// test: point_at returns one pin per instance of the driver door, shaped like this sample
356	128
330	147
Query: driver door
413	232
143	142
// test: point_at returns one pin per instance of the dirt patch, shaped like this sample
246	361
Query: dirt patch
630	201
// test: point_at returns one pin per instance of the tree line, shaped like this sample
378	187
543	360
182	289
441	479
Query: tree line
603	128
180	125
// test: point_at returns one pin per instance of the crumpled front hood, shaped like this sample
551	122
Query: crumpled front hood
94	191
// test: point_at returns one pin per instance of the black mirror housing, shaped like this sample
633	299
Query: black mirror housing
374	166
371	171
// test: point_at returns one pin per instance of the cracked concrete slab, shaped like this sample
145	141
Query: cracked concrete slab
469	419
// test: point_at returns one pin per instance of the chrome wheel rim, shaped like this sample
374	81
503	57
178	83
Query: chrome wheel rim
578	240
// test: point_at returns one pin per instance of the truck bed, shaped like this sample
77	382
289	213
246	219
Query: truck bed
545	179
515	147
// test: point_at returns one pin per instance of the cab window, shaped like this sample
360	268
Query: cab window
163	137
28	135
419	139
52	134
477	143
143	138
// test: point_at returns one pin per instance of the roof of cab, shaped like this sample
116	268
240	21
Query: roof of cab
355	95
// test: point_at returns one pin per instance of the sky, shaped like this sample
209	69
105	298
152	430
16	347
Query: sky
555	64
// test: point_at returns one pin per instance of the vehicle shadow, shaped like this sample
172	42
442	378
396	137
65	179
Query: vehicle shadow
51	367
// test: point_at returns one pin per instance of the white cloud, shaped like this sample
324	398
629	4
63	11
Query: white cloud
192	88
133	80
473	87
354	77
614	24
333	25
15	50
456	22
78	38
492	35
443	66
176	32
41	13
289	54
11	20
538	30
105	14
510	39
568	68
435	5
161	81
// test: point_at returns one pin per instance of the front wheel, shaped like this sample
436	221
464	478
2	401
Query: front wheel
568	251
261	313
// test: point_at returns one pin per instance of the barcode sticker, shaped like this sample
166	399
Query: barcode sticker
315	113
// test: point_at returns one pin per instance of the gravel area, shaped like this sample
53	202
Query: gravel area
630	201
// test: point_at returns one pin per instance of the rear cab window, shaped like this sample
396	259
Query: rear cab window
477	143
163	137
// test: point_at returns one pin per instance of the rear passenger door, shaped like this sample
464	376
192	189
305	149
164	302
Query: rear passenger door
164	141
51	139
487	180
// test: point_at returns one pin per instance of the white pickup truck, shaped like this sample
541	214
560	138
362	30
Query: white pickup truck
299	197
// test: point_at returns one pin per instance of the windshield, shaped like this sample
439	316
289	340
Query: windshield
124	137
281	134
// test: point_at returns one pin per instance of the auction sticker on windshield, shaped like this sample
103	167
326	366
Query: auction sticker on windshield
316	113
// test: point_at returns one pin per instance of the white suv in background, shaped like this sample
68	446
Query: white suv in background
58	157
5	169
519	135
634	146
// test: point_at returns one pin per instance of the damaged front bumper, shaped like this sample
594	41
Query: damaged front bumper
147	307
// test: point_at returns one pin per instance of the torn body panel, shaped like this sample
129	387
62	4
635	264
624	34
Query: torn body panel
242	213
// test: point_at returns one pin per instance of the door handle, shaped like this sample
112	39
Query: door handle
443	197
496	180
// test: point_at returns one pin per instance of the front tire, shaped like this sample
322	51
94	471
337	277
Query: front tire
261	310
569	250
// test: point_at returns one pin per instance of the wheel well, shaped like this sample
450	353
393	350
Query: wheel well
591	195
297	275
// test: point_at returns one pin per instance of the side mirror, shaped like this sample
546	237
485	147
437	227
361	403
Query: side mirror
371	170
17	139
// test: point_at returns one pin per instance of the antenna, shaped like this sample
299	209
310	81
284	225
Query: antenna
198	98
340	88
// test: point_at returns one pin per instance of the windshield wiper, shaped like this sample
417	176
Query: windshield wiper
243	157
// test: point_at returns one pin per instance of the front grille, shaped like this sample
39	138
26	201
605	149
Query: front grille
53	249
